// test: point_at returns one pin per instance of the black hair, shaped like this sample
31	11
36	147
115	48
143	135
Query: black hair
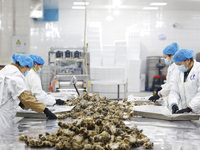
169	55
18	63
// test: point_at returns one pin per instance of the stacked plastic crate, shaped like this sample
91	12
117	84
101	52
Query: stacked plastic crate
133	45
121	53
107	75
134	63
94	45
108	56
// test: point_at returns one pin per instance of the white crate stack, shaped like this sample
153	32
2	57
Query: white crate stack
94	45
133	45
108	56
120	53
134	63
133	75
109	74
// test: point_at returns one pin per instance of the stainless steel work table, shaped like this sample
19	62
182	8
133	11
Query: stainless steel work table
166	135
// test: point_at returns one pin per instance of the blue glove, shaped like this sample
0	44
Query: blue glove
187	110
174	108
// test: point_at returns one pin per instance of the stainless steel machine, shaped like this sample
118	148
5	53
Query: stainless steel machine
69	62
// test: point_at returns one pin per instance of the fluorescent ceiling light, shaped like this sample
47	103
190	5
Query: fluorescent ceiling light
116	3
80	3
158	4
150	8
78	7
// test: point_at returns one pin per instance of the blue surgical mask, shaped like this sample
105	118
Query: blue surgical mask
167	62
182	68
39	70
25	73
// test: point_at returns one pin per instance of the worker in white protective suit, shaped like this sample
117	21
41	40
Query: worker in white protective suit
13	91
185	93
34	85
172	73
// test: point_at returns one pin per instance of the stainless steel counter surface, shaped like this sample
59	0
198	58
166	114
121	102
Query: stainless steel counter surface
166	135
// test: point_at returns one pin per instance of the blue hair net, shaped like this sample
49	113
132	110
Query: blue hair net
171	49
23	60
37	59
182	55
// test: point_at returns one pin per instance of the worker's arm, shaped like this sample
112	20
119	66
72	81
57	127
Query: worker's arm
170	81
33	83
29	101
195	102
45	98
174	95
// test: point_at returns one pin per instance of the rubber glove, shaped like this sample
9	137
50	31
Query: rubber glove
49	114
187	110
21	105
154	98
59	102
174	108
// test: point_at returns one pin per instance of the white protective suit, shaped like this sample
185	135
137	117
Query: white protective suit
12	84
33	83
172	73
187	93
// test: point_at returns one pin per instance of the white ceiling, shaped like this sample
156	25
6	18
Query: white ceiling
126	4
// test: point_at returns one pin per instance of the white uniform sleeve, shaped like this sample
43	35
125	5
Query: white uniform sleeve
171	79
174	96
195	102
16	85
35	87
45	98
34	84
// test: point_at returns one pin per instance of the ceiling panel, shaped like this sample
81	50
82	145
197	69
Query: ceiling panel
132	4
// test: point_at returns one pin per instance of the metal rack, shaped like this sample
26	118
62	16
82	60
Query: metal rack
69	62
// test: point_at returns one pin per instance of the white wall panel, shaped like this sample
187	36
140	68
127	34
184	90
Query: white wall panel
150	24
67	32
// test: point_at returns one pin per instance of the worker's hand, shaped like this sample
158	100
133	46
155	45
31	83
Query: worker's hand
155	92
59	102
185	110
21	105
174	108
49	114
154	98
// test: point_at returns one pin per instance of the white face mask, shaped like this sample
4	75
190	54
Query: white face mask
182	68
167	62
39	70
